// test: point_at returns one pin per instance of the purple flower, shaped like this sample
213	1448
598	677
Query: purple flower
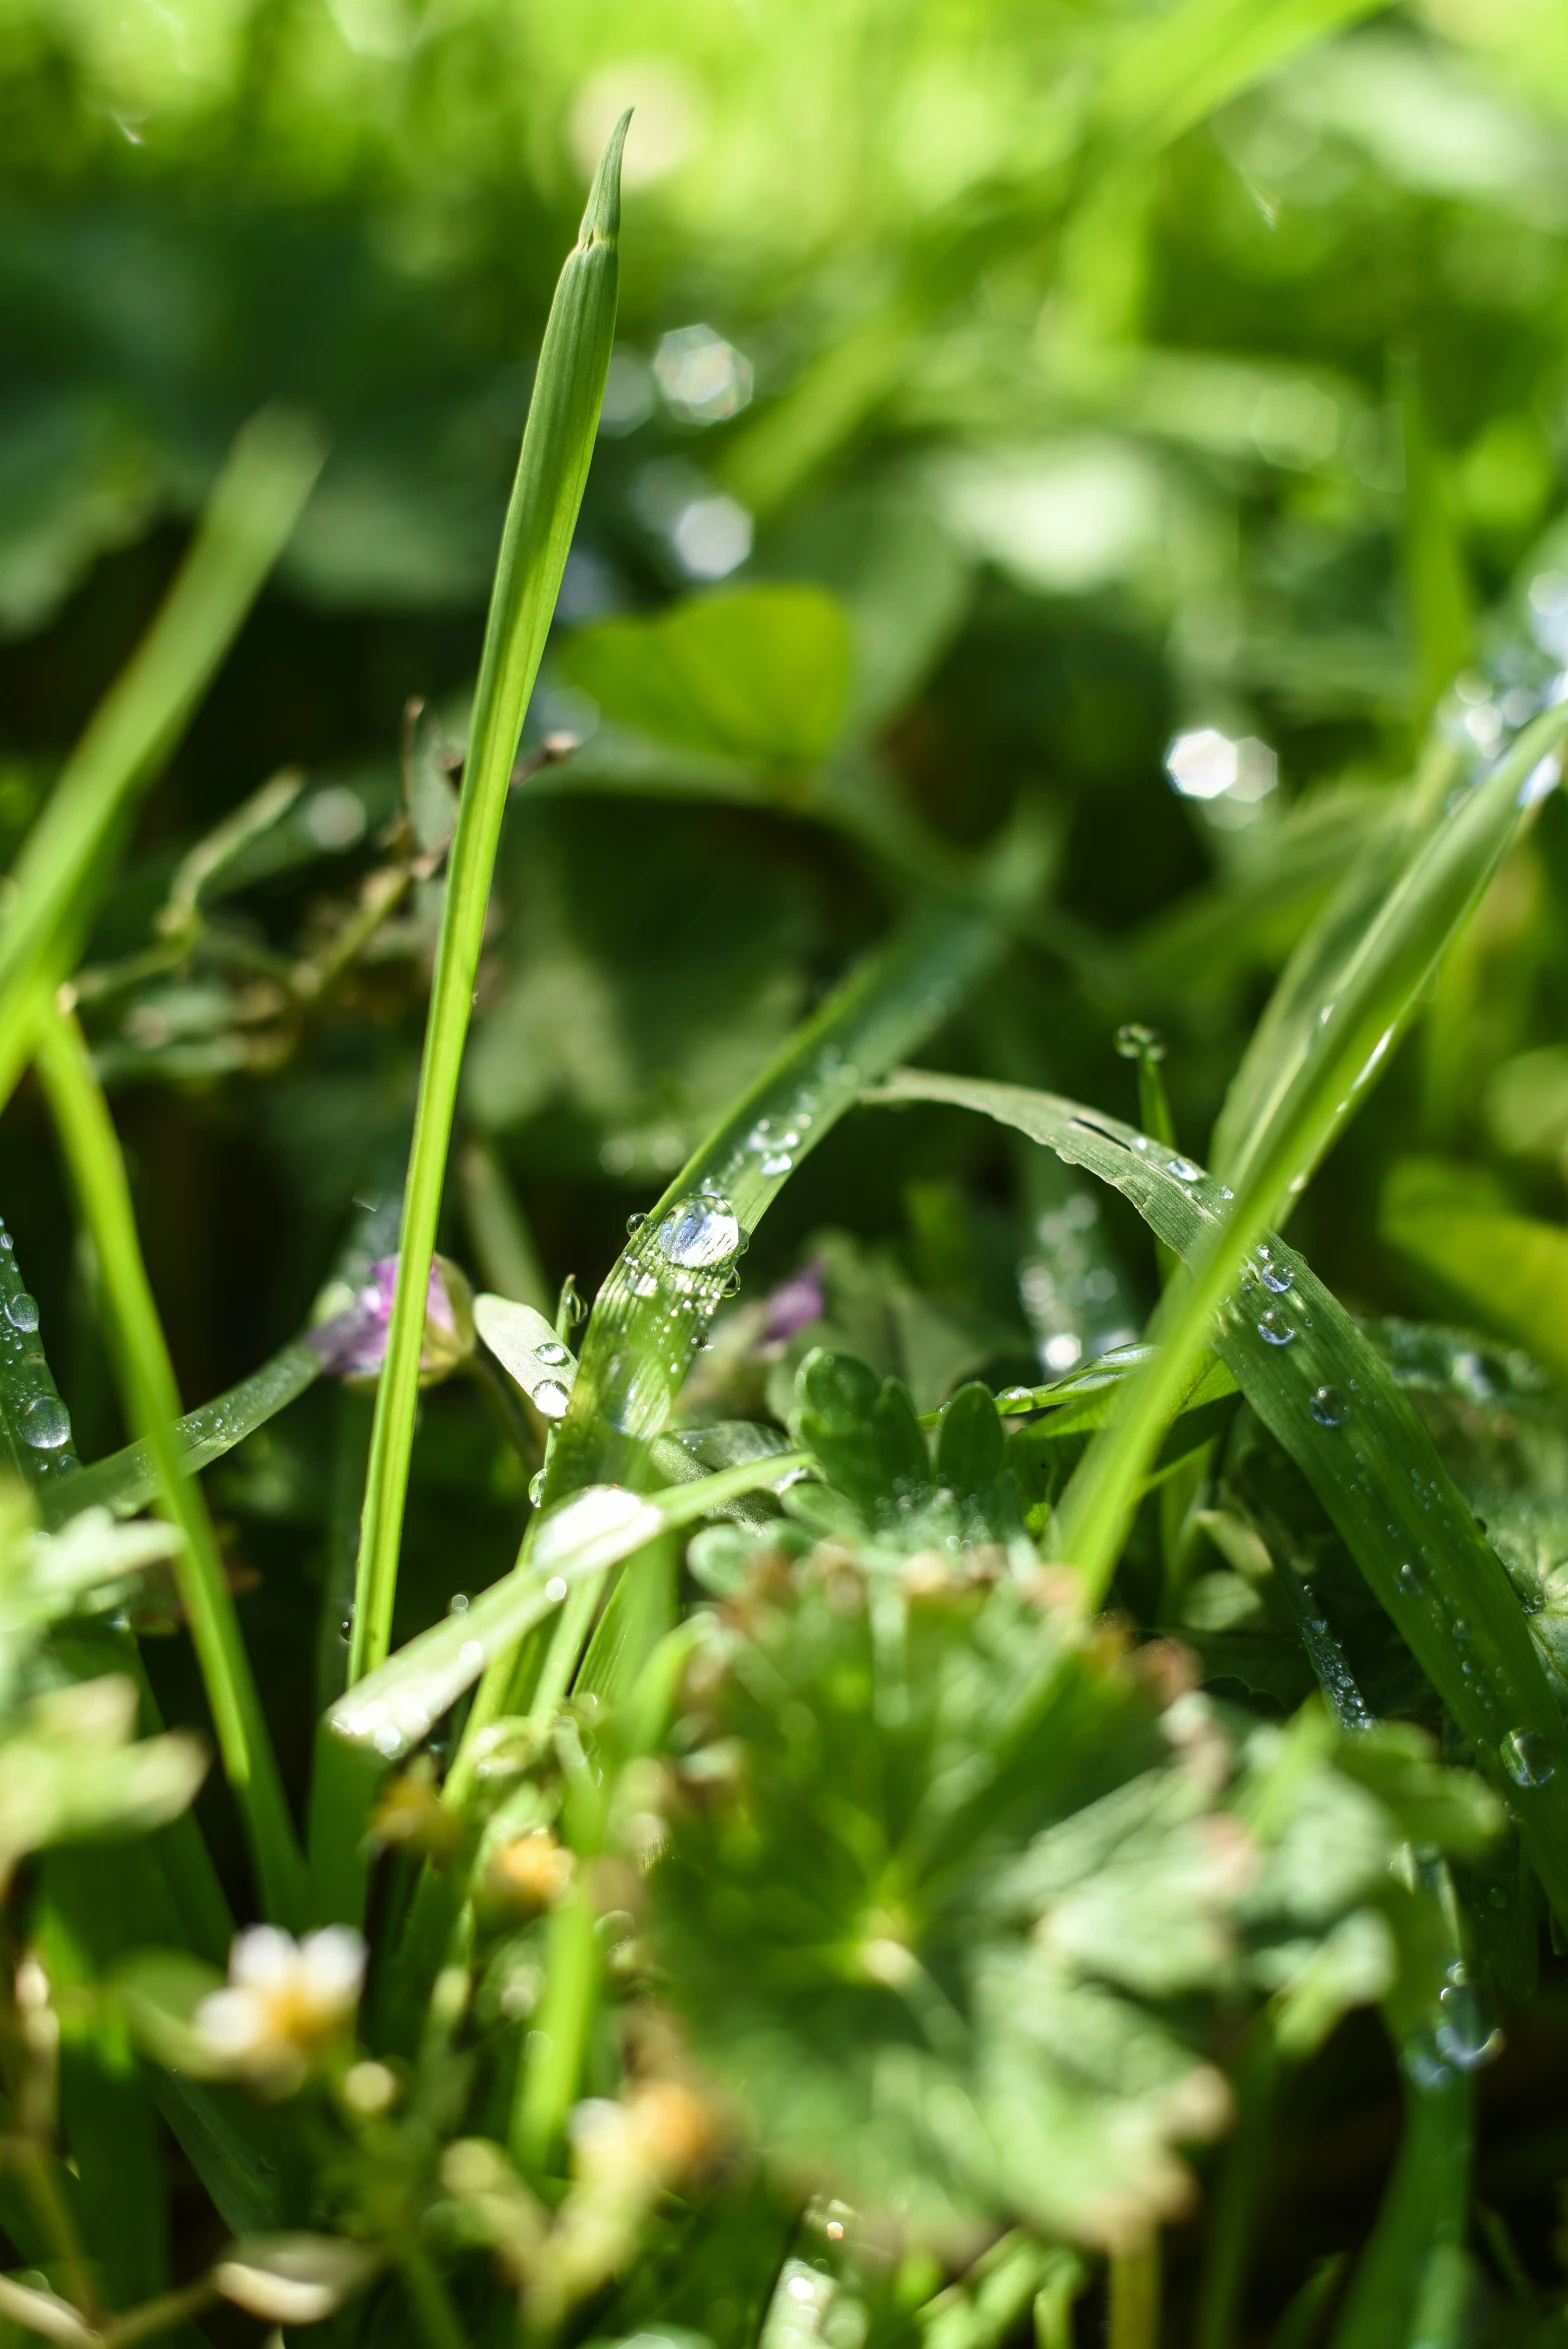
353	1343
794	1305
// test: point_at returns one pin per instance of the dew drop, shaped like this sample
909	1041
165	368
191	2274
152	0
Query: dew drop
551	1351
6	1240
1464	2037
550	1398
1015	1399
1527	1757
555	1588
1329	1407
1273	1327
1184	1170
701	1231
346	1629
1278	1277
536	1487
778	1162
471	1655
46	1424
458	1603
23	1310
634	1224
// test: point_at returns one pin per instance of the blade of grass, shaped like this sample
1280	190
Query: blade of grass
152	1404
1342	1045
1317	1384
552	470
396	1706
653	1311
127	1480
60	871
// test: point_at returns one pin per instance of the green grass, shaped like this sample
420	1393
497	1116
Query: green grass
822	1730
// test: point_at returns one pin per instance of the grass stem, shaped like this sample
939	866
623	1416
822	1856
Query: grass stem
152	1403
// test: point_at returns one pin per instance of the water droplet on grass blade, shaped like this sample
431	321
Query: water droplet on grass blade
778	1162
23	1310
700	1232
550	1398
1527	1757
1274	1328
1464	2037
1278	1277
46	1424
536	1487
1184	1170
1329	1407
555	1588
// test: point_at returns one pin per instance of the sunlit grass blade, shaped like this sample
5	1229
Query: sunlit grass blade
127	1480
60	871
1317	1384
97	1168
655	1306
1340	1048
394	1707
1351	985
552	471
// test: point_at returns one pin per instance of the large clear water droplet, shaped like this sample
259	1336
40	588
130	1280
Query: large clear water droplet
536	1487
1184	1170
1465	2037
1411	1579
1329	1407
700	1232
22	1310
777	1162
551	1398
550	1351
1527	1757
46	1424
1278	1277
1273	1327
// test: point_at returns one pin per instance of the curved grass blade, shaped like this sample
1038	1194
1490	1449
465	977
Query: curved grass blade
397	1705
1377	982
60	873
127	1480
654	1308
552	470
92	1150
1318	1385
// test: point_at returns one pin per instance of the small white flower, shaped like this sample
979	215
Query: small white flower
285	2000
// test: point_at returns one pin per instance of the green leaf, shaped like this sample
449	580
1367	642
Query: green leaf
760	674
1510	1271
1322	1390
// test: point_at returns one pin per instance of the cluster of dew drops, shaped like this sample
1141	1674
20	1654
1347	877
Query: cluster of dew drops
42	1420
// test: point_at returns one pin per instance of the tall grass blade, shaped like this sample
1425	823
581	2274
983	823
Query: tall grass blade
60	870
1315	1381
552	470
152	1401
